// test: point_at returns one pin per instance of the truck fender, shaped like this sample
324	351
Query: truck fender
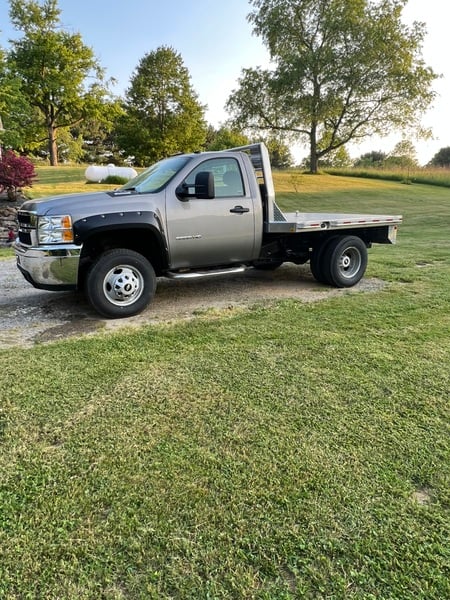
110	223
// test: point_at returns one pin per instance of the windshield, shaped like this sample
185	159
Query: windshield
157	176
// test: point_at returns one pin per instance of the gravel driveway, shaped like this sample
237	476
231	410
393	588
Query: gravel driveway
29	316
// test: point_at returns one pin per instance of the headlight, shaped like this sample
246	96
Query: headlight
55	230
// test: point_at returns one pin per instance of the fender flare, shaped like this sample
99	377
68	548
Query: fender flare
105	223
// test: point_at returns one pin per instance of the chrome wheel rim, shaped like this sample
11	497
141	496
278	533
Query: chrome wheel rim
123	285
350	262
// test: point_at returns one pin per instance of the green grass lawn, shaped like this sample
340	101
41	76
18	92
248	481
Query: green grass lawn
63	180
6	252
283	451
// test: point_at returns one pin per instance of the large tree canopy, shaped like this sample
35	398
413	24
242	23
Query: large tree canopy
343	70
53	66
163	114
15	112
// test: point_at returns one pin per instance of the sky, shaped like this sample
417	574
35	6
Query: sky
216	42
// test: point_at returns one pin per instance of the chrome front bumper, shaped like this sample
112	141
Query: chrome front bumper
49	267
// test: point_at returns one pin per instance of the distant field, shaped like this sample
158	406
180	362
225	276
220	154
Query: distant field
428	176
273	452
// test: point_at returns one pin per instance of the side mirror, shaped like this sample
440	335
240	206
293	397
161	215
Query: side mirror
182	192
204	185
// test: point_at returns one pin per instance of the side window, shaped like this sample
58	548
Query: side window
227	176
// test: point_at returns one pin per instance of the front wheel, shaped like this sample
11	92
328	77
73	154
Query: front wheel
120	283
344	261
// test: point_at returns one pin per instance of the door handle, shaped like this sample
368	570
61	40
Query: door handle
239	210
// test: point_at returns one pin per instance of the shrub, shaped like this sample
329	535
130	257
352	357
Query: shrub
117	179
16	172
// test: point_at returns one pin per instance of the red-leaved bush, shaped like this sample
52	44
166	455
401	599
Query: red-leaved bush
16	172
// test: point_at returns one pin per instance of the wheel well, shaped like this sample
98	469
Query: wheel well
144	241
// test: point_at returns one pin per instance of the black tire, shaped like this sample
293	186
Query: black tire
120	283
316	262
344	261
267	266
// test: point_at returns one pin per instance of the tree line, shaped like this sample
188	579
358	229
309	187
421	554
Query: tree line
342	71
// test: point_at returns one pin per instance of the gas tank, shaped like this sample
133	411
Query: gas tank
100	173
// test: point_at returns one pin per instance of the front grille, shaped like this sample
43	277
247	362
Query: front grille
25	218
27	225
25	238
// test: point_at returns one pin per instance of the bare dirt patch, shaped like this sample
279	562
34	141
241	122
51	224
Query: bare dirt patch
29	316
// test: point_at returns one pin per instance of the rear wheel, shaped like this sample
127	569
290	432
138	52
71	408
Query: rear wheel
315	263
121	283
344	261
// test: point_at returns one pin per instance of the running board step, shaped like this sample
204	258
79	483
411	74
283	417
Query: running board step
204	273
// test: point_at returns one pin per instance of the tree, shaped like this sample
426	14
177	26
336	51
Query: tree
162	112
279	152
441	158
403	156
225	137
338	159
15	112
343	70
98	136
375	159
53	66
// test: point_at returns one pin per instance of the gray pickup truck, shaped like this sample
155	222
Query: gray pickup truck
189	215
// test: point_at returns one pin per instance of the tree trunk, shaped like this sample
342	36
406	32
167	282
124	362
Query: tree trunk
52	146
313	149
314	163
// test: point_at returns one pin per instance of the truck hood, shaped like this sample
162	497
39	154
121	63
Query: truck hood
64	203
82	205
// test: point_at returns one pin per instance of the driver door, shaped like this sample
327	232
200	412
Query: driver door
217	231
